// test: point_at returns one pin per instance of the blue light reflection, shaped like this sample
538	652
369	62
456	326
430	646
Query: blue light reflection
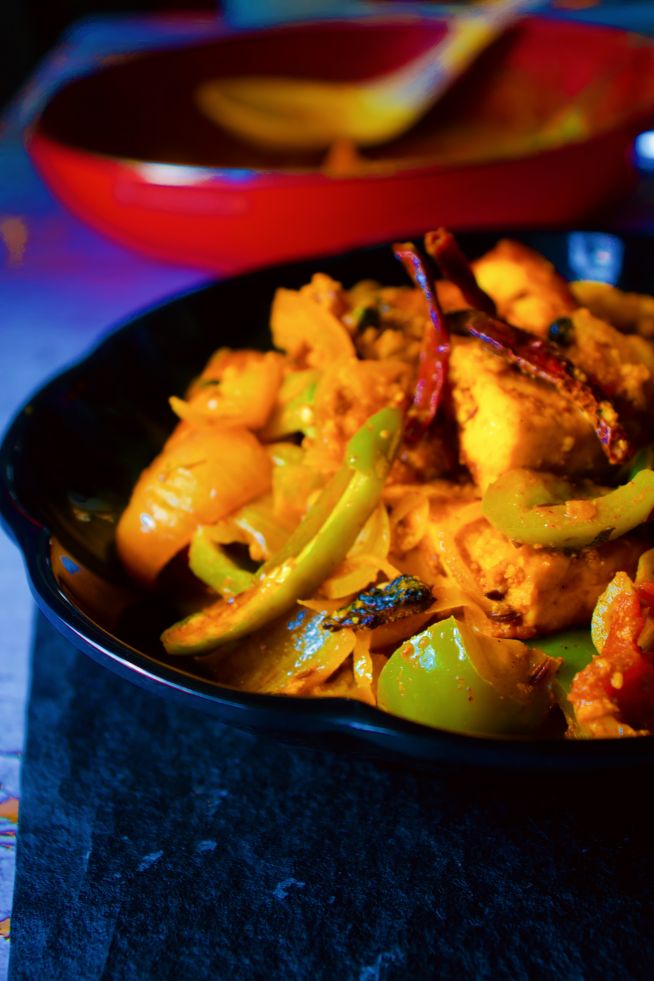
644	151
595	255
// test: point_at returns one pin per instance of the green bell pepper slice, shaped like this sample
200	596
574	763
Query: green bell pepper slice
209	561
294	410
576	649
312	552
542	509
452	677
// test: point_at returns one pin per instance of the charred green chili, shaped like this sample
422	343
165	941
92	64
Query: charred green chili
377	605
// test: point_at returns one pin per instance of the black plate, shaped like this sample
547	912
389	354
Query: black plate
72	454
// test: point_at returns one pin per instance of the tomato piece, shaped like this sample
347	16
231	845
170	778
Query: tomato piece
614	694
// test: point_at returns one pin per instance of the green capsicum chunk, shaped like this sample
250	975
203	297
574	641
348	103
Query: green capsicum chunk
374	445
294	411
211	563
453	677
313	520
542	509
576	649
316	547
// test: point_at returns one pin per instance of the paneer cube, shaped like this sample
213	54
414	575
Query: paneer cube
526	288
623	365
508	420
525	590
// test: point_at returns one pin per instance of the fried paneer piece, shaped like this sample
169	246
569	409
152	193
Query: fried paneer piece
526	288
507	420
622	365
529	591
629	312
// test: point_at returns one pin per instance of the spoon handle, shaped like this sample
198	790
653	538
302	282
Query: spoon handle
422	81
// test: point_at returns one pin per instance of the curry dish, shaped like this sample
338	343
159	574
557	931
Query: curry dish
434	498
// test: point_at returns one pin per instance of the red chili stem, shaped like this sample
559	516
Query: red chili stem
434	351
444	249
541	359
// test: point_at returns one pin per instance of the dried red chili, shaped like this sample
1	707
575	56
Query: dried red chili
434	352
444	249
541	359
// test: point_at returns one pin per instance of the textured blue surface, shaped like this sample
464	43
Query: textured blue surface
177	848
